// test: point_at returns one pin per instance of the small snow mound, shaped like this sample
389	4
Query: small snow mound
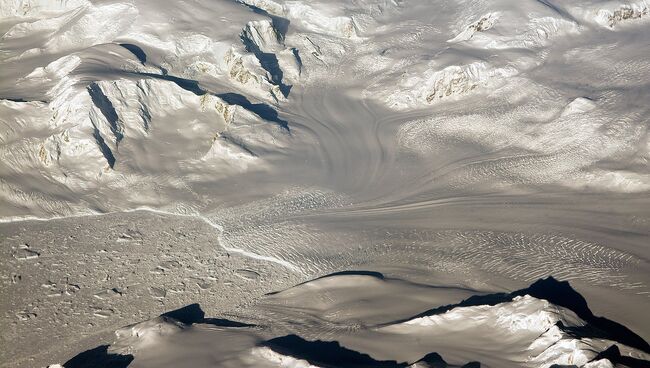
280	360
601	363
578	106
226	150
145	334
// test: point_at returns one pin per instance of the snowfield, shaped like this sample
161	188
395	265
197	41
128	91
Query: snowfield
324	183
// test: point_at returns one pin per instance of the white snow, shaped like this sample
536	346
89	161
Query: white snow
475	145
280	360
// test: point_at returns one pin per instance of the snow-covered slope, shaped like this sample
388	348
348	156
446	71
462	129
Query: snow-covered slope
93	92
123	106
497	330
468	144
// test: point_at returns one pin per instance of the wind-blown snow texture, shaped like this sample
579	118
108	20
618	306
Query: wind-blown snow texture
155	154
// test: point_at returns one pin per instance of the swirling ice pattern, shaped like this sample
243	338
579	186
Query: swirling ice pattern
315	149
527	258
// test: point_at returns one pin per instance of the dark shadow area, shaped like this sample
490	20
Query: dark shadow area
562	294
226	137
222	322
186	84
296	54
14	99
325	353
136	51
434	360
101	101
264	111
377	275
269	62
193	313
557	10
330	354
17	99
103	147
472	365
99	357
322	353
188	315
613	354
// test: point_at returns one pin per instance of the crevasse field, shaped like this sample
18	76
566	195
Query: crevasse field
326	183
